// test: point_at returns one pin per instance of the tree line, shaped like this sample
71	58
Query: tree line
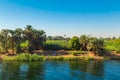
87	43
30	39
11	39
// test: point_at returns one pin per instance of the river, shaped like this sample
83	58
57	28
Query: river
60	70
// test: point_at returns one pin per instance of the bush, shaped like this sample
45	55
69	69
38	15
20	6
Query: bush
74	43
113	45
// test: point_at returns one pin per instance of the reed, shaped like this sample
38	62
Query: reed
25	57
35	57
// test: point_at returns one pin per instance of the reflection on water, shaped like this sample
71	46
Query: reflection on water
21	71
88	70
60	70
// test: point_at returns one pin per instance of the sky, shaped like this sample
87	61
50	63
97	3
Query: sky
99	18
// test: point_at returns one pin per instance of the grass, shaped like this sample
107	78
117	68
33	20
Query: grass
25	57
56	45
71	58
76	53
35	57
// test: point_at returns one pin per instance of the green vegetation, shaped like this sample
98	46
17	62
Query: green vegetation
25	57
113	45
77	53
18	38
56	45
28	40
35	57
84	42
74	43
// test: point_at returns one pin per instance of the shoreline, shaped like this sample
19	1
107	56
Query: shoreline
68	57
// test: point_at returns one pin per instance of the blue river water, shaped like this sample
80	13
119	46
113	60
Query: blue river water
60	70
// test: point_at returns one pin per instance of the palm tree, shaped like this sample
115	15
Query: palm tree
0	44
84	40
98	46
35	38
4	39
39	38
28	35
12	39
19	39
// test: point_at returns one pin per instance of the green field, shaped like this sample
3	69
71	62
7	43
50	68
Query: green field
56	45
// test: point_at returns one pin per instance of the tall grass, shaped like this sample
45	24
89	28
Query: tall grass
35	57
25	57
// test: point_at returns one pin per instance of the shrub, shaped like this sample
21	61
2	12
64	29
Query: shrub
113	45
74	43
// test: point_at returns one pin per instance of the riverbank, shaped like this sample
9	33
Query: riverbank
35	57
59	55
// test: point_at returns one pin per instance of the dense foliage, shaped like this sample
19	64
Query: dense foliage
12	39
84	43
29	39
112	44
74	43
56	45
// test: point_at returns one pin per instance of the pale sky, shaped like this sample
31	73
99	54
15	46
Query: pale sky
99	18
